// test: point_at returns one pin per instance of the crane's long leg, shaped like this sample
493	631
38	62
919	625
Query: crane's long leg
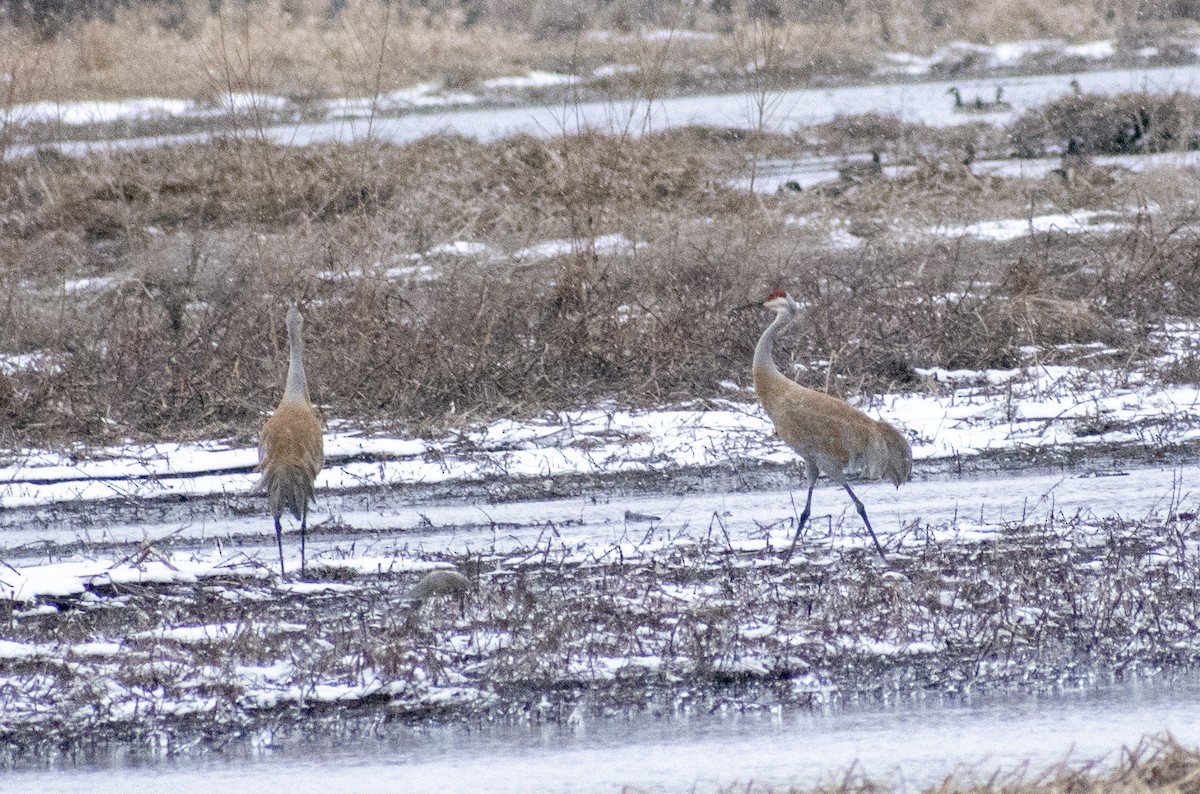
303	531
862	511
812	483
279	543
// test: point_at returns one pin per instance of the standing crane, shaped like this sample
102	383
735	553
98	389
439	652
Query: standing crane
831	435
291	446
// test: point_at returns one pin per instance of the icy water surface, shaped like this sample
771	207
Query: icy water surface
923	102
916	744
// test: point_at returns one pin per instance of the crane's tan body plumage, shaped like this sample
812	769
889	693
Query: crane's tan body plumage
291	453
839	438
291	446
831	435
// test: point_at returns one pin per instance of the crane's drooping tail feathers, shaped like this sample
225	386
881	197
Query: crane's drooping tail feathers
289	487
897	465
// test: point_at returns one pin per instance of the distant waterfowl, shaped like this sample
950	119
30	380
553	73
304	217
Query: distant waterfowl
979	105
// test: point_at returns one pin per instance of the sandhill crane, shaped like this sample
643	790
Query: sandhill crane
291	447
832	436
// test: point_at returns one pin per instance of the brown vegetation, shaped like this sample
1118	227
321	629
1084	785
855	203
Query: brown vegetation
199	244
142	279
305	49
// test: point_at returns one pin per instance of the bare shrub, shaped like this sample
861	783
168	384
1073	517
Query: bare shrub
1129	123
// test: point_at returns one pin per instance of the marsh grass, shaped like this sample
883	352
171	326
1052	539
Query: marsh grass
1127	123
153	280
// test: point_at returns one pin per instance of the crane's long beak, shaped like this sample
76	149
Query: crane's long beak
744	306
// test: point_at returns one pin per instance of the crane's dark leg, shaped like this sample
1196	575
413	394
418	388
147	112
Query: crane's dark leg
812	482
862	511
303	531
279	543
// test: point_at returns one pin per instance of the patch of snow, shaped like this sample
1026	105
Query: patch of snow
381	565
191	634
413	273
94	649
841	238
421	96
93	112
1007	229
679	35
461	248
311	588
612	70
905	63
1011	53
243	102
10	649
17	362
1092	50
534	79
605	245
87	284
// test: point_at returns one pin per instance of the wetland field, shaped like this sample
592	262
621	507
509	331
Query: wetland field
531	293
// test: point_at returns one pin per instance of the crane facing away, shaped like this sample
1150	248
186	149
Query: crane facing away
831	435
291	446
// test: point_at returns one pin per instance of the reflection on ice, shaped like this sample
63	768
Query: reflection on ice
912	744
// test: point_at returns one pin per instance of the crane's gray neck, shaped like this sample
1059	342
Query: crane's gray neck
297	385
764	351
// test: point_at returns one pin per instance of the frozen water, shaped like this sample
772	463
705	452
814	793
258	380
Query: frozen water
924	102
913	744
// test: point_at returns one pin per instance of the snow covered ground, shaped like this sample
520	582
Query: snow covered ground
1038	406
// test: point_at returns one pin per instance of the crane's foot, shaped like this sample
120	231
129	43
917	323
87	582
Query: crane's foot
796	538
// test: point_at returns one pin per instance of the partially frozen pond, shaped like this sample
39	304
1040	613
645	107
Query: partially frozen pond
916	744
923	102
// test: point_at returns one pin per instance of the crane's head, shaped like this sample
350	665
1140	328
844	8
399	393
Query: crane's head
293	316
779	301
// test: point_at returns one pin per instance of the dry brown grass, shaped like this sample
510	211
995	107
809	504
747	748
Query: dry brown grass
298	49
1156	764
200	246
1128	123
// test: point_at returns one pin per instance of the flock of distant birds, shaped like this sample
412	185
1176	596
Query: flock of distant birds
1075	169
830	435
980	105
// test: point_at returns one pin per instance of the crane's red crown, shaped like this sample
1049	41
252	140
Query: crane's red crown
777	294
